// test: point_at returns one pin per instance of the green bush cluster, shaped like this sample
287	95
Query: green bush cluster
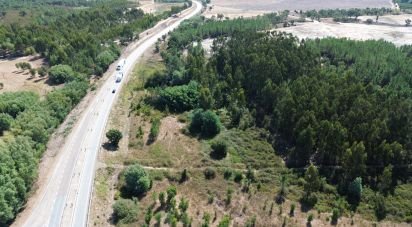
206	123
137	181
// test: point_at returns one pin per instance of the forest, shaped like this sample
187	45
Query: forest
76	45
342	107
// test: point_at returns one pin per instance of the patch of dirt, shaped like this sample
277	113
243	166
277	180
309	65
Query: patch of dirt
149	6
247	8
393	32
14	79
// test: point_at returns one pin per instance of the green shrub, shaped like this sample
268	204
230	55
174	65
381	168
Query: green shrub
380	207
206	123
335	216
154	130
125	211
225	222
59	74
209	173
5	122
227	174
114	136
355	190
219	149
238	177
137	180
179	98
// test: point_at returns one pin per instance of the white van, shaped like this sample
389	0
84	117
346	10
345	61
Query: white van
119	77
121	64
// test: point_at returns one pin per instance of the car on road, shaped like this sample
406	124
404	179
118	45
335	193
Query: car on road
114	91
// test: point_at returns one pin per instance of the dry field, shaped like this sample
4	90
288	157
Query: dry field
14	79
249	8
149	6
390	28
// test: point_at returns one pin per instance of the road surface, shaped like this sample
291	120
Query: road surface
65	199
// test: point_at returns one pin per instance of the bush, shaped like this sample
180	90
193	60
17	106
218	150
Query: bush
125	211
137	180
380	207
114	136
5	122
355	190
219	149
225	222
227	174
179	98
209	173
206	123
154	130
335	216
238	177
59	74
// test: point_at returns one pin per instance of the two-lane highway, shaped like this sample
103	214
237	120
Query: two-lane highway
65	199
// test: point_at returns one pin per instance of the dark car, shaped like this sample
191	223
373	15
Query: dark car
114	90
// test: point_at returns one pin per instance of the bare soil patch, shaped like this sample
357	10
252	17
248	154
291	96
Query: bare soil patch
14	79
249	8
393	32
149	6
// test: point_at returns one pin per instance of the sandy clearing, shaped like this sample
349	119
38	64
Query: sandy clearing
149	6
249	8
399	35
14	79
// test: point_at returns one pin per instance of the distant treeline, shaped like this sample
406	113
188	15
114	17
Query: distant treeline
345	15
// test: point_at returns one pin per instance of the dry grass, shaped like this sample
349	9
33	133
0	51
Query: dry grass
249	8
393	30
14	79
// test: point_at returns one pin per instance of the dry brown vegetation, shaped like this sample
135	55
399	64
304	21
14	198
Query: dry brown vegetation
14	79
249	8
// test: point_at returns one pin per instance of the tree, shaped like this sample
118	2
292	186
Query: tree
354	160
283	190
59	74
206	123
137	180
5	122
380	206
355	190
114	137
125	211
385	183
408	22
312	180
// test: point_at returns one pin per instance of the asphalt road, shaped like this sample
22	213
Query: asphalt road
65	199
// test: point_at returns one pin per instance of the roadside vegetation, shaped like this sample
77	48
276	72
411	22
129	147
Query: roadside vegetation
335	112
76	45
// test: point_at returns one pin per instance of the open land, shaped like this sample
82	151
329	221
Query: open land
13	79
247	8
390	28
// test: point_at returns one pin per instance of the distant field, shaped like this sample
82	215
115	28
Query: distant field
251	8
301	4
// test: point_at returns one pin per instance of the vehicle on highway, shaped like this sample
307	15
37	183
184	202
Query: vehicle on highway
114	91
119	76
121	64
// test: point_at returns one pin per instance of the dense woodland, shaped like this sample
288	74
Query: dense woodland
76	44
343	106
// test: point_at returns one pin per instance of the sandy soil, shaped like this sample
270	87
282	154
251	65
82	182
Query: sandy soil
14	79
249	8
149	6
395	32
